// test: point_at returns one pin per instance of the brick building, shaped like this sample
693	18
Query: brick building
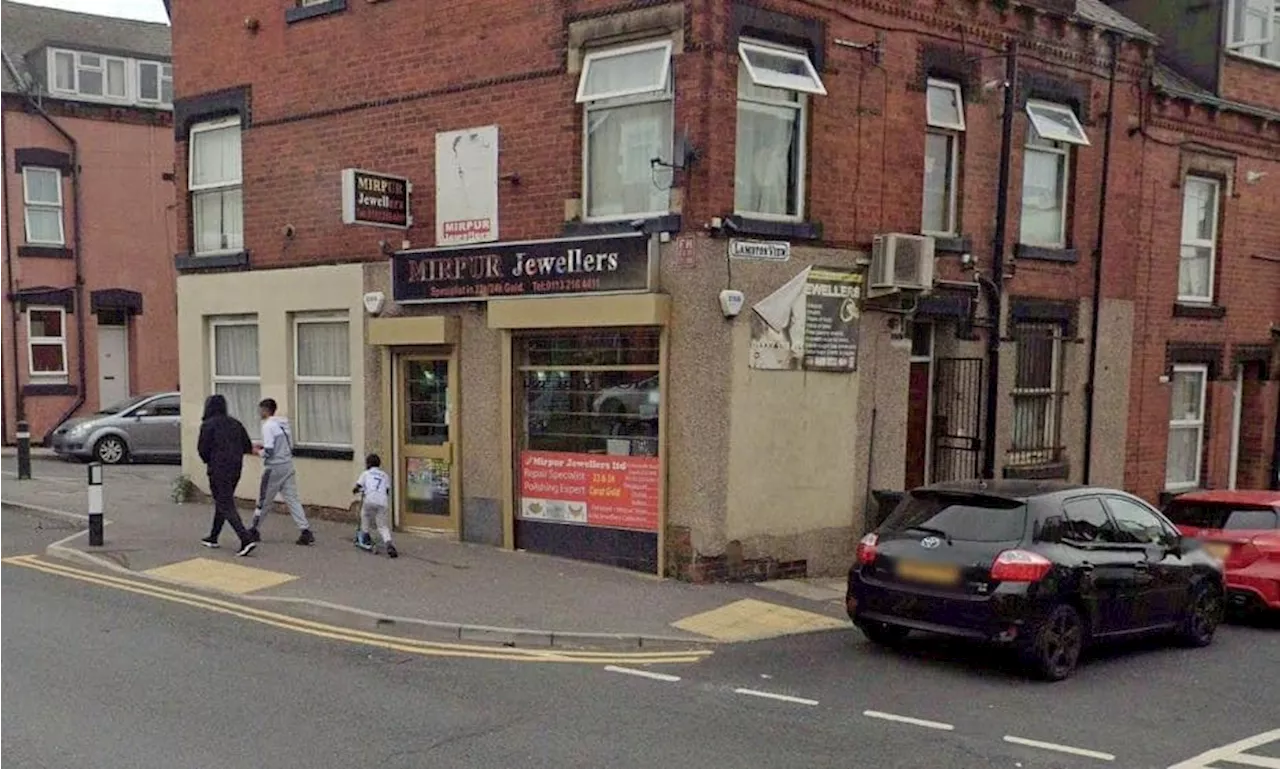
89	308
510	258
1205	390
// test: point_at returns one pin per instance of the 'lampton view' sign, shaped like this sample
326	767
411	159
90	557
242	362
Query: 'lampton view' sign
565	266
377	199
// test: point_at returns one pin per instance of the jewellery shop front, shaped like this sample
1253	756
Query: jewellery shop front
518	390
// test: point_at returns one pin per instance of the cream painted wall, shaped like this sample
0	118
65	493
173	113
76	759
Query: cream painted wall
274	296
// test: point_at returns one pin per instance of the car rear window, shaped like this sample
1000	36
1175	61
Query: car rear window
966	517
1210	515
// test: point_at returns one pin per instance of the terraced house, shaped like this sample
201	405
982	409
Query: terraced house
89	306
674	286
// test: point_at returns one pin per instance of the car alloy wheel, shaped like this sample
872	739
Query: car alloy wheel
110	450
1058	643
1203	616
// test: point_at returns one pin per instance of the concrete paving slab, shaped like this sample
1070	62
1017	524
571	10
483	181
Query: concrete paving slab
750	620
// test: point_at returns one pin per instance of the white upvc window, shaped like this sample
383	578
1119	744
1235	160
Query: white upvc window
944	111
155	82
1046	172
42	204
1253	29
47	343
90	74
233	351
1037	394
217	216
1186	427
1200	200
628	124
774	85
322	380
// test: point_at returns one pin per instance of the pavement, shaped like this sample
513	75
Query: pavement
437	587
120	676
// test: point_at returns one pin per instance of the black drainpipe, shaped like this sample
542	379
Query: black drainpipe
1095	319
20	408
996	290
76	252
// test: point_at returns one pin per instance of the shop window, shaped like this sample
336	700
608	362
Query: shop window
591	392
235	367
47	344
1199	239
217	218
1186	427
628	114
322	376
1046	171
774	84
944	108
42	196
1037	395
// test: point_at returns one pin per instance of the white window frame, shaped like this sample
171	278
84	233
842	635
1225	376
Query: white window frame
42	205
801	106
301	380
214	377
194	189
617	99
811	85
1048	130
161	76
1052	438
1211	243
1049	147
33	340
1198	425
52	69
951	132
1266	9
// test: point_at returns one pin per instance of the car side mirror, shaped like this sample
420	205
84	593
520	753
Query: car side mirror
141	413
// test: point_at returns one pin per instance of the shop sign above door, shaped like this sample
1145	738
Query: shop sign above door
377	199
606	264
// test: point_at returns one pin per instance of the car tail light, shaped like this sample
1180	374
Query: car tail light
1020	566
867	549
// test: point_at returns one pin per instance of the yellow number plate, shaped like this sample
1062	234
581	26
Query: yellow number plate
1218	550
929	573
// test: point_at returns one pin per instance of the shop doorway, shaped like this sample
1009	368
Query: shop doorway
426	438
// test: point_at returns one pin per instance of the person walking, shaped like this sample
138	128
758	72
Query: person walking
222	446
279	476
374	488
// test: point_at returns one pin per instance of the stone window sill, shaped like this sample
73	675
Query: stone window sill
1045	254
237	260
746	225
316	452
1203	311
45	252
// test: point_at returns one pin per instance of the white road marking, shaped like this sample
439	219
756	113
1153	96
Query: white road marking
908	720
1059	748
642	673
772	696
1234	753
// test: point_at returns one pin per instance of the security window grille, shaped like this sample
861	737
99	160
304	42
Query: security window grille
1037	395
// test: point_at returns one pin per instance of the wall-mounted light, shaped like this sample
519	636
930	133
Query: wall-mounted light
251	24
1253	177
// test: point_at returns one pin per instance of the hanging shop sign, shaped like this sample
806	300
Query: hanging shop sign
603	264
809	324
760	250
467	186
615	492
380	200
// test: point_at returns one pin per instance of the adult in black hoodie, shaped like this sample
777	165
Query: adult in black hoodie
223	444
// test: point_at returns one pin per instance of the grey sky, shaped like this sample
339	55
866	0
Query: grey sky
145	10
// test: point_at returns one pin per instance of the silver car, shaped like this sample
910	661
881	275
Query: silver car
142	427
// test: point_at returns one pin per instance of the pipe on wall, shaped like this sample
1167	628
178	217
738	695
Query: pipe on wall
20	409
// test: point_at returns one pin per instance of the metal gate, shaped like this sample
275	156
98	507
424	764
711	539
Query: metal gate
957	419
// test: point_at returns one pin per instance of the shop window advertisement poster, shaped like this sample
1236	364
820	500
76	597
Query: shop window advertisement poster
809	324
609	491
467	186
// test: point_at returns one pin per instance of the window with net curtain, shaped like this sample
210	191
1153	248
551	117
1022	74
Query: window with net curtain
1046	168
1186	427
235	369
1199	239
628	120
217	218
42	195
322	376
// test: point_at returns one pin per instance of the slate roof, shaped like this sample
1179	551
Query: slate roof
1169	81
26	28
1105	16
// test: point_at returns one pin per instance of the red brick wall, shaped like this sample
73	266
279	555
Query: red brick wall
1249	81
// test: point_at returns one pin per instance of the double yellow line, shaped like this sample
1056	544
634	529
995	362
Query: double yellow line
351	635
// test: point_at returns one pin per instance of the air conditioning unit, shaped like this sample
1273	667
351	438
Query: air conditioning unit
900	262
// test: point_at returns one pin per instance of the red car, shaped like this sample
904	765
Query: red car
1242	528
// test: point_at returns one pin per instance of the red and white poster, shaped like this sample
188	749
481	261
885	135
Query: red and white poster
616	492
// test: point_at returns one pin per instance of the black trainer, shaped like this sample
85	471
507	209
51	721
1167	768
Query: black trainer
391	551
247	547
306	538
254	535
210	543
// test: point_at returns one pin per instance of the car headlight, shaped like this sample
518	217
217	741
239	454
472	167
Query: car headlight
80	429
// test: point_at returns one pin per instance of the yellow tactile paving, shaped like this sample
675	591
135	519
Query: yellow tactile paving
218	575
750	619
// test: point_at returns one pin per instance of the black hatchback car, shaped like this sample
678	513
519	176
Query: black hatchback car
1041	568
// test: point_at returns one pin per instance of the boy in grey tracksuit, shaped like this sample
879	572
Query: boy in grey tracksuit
279	477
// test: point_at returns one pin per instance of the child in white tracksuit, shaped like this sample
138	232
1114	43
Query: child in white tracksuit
374	488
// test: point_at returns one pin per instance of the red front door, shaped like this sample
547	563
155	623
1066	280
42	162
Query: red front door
917	424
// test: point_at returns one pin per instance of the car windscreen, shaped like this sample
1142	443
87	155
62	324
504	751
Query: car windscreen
965	517
128	403
1219	515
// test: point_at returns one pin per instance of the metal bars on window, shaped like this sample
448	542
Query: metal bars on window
1036	430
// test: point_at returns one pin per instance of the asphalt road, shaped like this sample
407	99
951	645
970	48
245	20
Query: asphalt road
101	677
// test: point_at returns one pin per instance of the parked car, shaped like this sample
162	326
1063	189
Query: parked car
142	427
1044	569
1243	529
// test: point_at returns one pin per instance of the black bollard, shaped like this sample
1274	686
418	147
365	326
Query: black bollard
24	451
95	504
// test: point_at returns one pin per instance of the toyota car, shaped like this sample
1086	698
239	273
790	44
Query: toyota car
1243	529
1043	569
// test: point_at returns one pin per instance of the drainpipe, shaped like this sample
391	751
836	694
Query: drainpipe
1095	319
76	235
996	290
20	409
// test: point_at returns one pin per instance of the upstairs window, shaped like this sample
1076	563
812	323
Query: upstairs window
1199	239
944	110
42	199
99	77
1046	169
628	118
217	218
155	82
1253	27
774	84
